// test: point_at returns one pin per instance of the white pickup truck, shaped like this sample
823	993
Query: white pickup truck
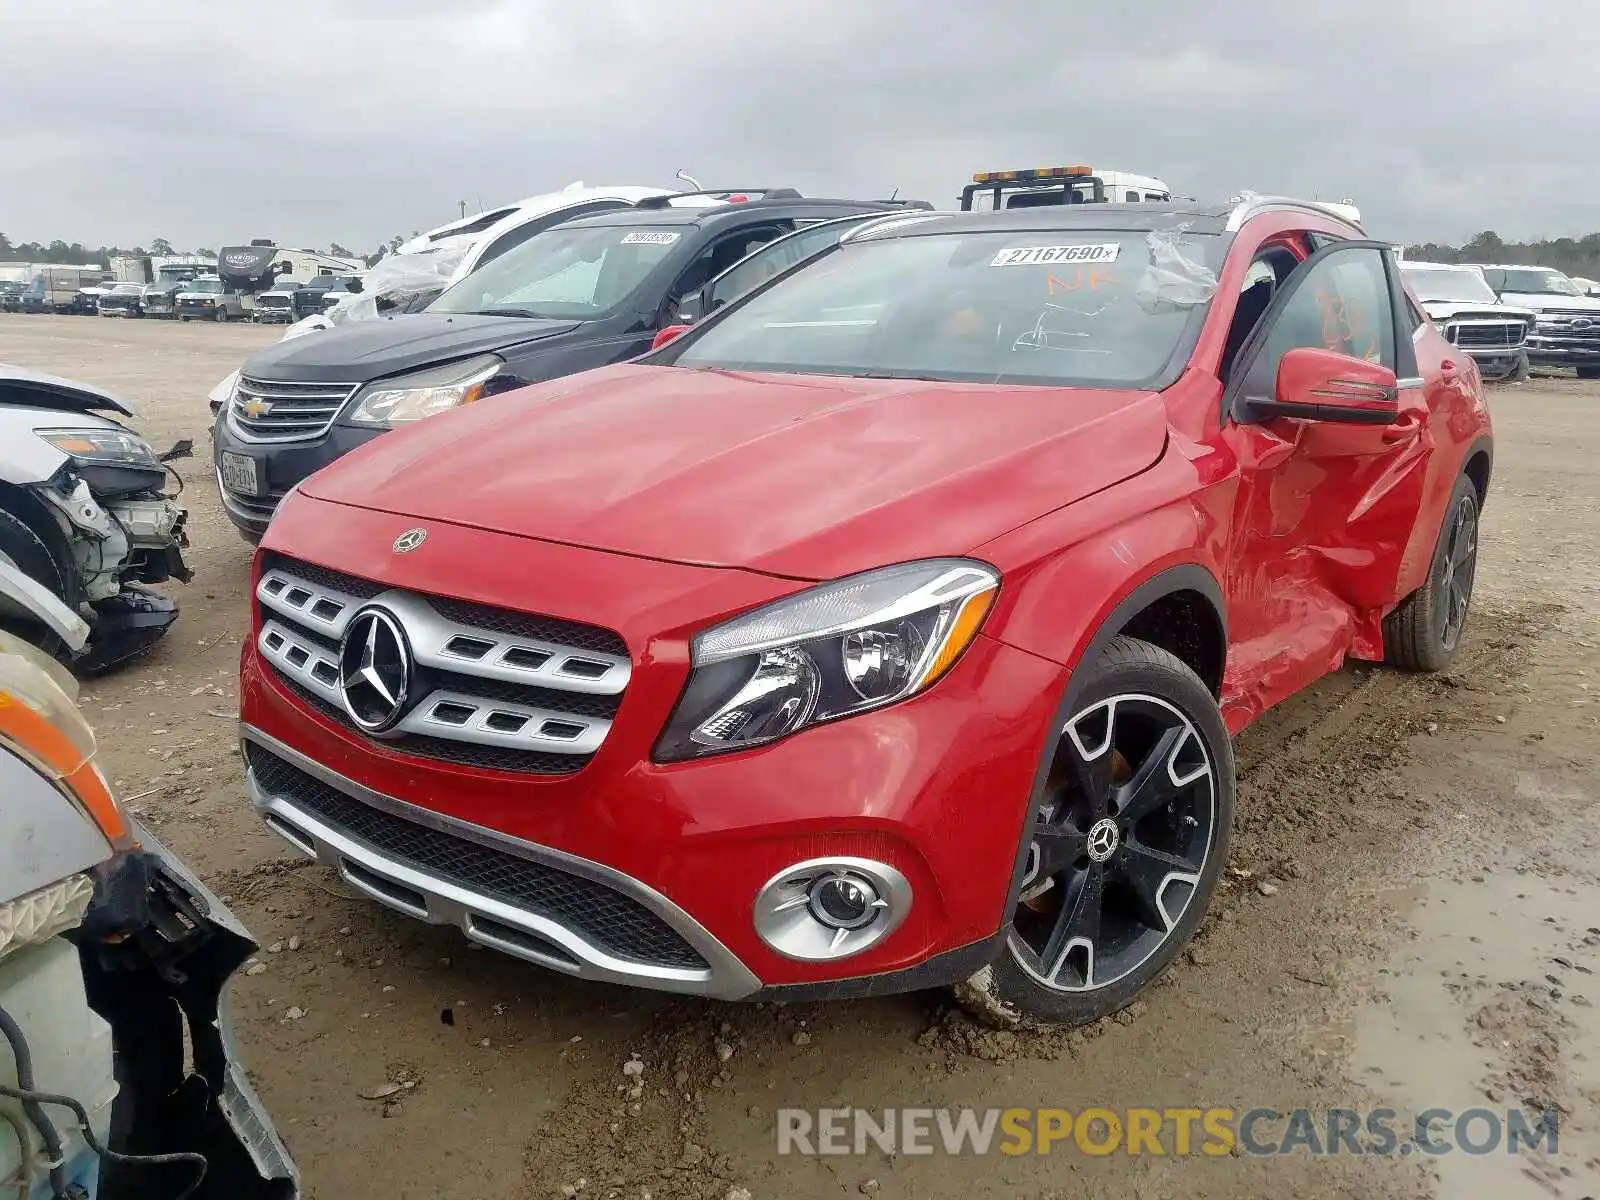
206	299
1568	330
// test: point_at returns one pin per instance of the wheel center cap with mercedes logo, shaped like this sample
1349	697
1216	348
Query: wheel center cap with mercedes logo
1103	839
374	670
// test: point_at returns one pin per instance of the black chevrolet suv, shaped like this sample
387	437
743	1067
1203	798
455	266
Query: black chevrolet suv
582	294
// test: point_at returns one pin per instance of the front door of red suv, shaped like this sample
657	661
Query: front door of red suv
1325	509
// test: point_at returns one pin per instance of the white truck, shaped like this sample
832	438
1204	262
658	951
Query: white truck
1046	186
1469	314
1568	329
207	298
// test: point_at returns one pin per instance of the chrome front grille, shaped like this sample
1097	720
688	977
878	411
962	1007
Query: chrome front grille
488	687
267	411
1587	318
1487	335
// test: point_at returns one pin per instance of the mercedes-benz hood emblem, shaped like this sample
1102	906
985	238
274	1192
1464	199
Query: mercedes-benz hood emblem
374	670
410	540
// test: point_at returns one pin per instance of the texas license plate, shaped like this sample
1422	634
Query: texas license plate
240	474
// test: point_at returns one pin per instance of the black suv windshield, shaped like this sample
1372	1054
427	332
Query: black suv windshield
1080	308
565	273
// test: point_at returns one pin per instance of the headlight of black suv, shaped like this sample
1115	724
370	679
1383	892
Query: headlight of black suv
843	648
406	398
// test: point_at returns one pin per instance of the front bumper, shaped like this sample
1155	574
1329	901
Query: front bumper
152	970
279	466
936	787
1497	364
384	858
1564	351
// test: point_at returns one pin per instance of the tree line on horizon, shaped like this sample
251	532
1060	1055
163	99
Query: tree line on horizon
77	253
1571	256
1574	256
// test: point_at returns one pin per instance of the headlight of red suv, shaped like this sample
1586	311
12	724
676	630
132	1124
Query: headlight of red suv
856	644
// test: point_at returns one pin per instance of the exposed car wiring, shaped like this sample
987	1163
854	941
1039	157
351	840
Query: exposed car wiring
32	1107
20	1131
33	1100
105	1152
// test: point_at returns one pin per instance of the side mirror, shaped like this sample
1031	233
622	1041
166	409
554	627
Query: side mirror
1324	385
692	307
667	335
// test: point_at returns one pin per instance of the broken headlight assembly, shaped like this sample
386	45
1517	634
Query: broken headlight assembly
111	461
406	398
843	648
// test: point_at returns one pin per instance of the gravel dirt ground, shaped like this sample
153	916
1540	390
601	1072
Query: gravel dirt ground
1409	920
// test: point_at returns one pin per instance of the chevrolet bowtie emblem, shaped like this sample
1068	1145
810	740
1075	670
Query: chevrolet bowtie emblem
255	408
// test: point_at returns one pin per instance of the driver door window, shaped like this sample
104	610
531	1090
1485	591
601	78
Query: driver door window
718	257
774	259
1344	304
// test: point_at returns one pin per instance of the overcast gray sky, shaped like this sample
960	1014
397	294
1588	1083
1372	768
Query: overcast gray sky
215	121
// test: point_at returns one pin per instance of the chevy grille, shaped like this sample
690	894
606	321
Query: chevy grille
262	410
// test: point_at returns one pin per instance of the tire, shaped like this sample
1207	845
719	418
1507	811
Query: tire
222	315
185	320
1589	372
23	547
1149	840
1422	634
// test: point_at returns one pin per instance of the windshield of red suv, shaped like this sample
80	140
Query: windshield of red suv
1064	307
565	273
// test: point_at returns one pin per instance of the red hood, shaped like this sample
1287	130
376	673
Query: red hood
809	477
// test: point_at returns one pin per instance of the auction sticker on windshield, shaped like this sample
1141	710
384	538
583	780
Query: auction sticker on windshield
650	237
1051	255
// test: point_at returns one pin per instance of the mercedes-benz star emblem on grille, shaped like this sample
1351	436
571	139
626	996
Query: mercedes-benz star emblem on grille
374	670
410	540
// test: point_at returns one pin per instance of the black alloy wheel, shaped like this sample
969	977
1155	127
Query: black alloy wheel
1425	629
1119	846
1460	567
1127	845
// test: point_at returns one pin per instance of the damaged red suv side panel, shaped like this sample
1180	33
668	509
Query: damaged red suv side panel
885	629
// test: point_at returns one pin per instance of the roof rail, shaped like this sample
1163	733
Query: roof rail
761	193
1256	205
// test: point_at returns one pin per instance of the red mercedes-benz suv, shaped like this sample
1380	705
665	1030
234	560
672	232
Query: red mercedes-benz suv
888	628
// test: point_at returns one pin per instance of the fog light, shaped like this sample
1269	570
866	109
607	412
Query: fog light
844	901
829	908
